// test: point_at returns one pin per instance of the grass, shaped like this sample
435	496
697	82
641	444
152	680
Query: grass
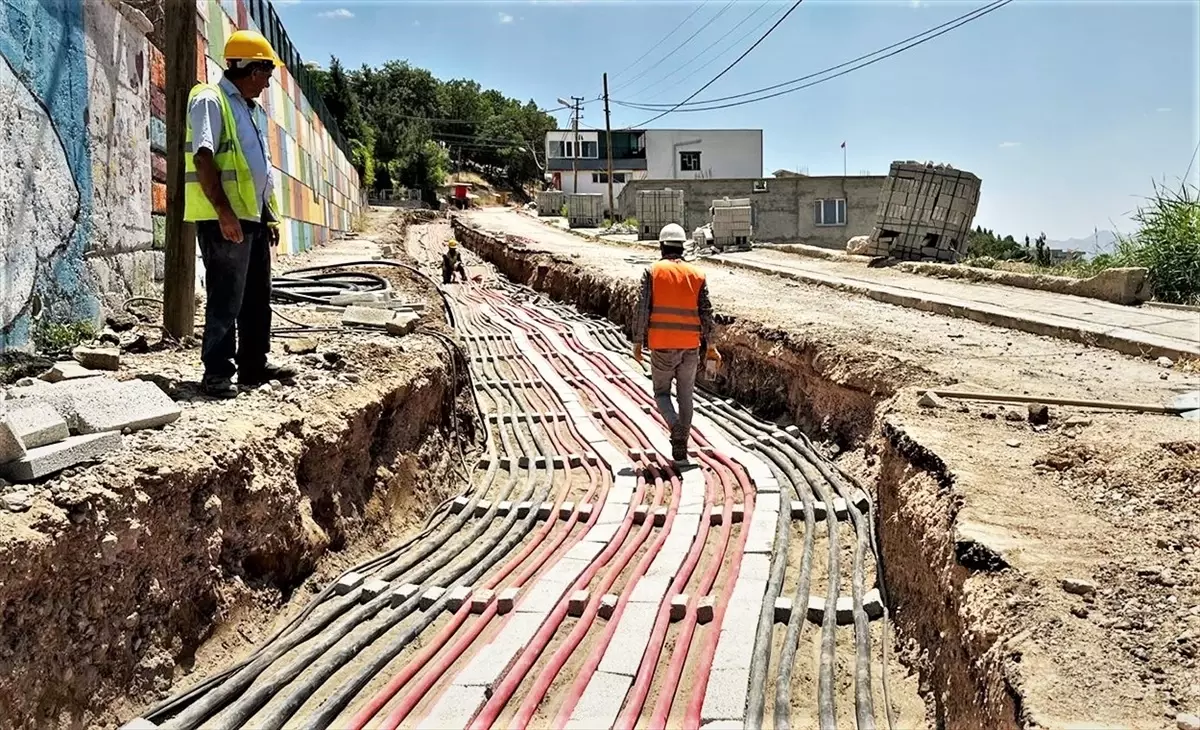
60	336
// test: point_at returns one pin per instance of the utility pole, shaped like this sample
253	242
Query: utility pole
575	134
612	211
179	275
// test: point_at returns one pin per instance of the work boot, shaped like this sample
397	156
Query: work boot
218	387
269	372
679	437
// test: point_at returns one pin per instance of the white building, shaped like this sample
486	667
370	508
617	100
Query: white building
579	162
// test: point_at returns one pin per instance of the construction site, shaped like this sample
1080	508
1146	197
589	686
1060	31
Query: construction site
912	495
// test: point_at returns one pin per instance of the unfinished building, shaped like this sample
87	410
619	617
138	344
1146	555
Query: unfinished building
925	212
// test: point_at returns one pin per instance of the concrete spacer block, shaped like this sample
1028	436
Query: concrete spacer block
565	510
505	600
716	517
482	507
430	597
636	455
585	512
705	609
403	593
503	508
138	723
523	508
53	458
348	582
647	408
459	504
577	603
373	588
639	513
133	405
660	516
458	596
737	513
481	599
783	610
37	424
608	603
679	604
725	696
359	316
544	510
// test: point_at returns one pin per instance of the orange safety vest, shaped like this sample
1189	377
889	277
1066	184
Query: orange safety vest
674	305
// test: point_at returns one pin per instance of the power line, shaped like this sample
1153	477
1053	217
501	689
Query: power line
946	27
704	52
662	40
671	52
726	70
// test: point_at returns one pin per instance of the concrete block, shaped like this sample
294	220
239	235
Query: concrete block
455	708
505	600
735	645
679	604
359	316
482	507
430	597
566	510
608	603
755	567
586	551
660	516
402	323
68	370
459	504
360	297
11	445
481	599
601	701
348	582
783	610
767	503
133	405
705	609
872	606
373	588
98	358
403	593
639	513
725	695
523	508
138	723
585	512
650	589
577	603
716	518
762	533
458	595
624	652
544	595
46	460
737	513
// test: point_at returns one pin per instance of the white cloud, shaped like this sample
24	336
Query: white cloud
1010	144
416	23
1163	109
506	18
916	3
338	13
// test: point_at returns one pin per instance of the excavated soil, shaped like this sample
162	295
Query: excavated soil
120	580
983	516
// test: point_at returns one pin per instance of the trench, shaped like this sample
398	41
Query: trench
841	399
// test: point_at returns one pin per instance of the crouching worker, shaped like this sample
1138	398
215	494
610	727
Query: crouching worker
452	262
675	320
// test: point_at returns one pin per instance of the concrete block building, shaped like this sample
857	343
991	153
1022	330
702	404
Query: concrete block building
819	211
578	162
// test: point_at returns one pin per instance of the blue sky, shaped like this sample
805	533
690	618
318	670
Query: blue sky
1066	110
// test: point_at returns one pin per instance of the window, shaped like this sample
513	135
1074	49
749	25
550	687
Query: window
760	186
556	148
570	149
602	177
831	212
689	161
589	149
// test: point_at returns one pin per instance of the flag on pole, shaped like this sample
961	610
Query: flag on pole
843	145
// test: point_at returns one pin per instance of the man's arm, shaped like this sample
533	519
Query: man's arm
204	116
704	305
641	322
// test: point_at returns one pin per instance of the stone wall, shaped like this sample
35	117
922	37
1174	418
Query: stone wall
785	212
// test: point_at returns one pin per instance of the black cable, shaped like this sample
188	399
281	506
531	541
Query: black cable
671	52
670	33
709	104
726	70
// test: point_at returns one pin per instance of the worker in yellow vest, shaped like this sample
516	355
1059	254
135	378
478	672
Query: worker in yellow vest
675	320
229	194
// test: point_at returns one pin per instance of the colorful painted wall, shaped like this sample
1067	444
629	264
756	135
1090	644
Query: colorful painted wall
317	187
75	230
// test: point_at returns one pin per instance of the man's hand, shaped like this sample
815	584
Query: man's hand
637	354
231	227
713	354
274	236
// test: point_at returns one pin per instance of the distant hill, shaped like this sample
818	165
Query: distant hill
1101	242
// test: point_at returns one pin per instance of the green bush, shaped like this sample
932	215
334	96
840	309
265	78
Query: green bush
60	336
1167	243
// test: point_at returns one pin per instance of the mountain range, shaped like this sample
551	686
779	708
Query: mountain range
1100	242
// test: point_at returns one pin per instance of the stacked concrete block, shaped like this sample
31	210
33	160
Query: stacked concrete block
925	212
732	223
655	209
550	202
132	405
585	210
46	460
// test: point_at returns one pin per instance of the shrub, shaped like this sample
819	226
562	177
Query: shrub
1167	243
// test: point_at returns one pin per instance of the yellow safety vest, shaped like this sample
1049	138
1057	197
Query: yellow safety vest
235	171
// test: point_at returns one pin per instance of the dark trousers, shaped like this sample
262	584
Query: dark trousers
237	317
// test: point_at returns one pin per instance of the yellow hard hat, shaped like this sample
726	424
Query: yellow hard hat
249	45
452	243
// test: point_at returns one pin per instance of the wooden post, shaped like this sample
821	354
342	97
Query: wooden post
612	211
179	285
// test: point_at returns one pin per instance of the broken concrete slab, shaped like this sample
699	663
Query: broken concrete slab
11	445
299	346
68	370
402	323
37	425
98	358
367	317
62	396
46	460
133	405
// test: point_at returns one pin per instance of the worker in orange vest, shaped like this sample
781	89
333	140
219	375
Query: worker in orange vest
675	321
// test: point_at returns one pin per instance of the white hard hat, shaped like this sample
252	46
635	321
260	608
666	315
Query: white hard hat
672	233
